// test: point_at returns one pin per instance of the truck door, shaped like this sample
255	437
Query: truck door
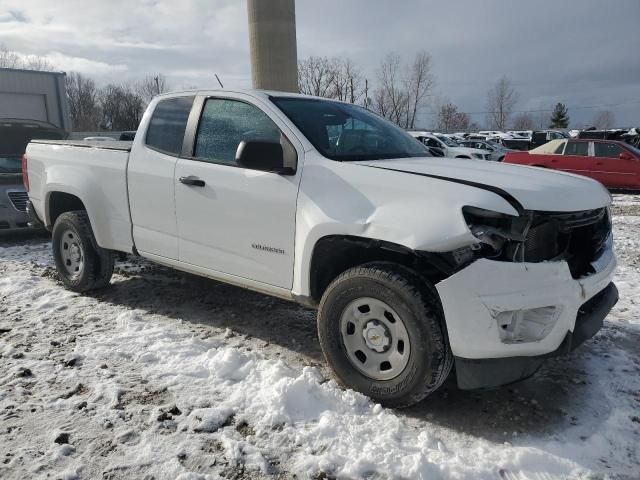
151	173
231	219
615	171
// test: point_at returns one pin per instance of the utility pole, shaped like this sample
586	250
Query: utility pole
366	93
272	40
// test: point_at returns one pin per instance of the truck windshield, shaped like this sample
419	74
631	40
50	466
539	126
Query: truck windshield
346	132
10	164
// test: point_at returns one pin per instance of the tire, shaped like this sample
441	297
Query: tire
82	265
409	299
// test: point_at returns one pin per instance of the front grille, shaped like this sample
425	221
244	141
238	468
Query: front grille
576	237
19	200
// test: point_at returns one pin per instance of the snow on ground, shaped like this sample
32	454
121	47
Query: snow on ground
165	375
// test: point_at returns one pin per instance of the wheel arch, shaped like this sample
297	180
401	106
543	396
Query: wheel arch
59	202
332	255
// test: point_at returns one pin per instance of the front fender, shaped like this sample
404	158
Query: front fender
415	212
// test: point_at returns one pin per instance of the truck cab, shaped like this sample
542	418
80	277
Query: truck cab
414	263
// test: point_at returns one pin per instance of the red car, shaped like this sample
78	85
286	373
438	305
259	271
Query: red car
615	164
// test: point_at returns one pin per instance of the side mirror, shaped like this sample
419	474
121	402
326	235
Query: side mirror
625	156
263	156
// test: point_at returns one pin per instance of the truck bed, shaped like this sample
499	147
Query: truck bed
96	172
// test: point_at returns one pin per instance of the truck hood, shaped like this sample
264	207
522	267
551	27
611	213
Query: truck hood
531	188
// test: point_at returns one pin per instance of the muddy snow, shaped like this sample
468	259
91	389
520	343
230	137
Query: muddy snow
168	376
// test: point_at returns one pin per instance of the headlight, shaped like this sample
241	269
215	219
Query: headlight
493	228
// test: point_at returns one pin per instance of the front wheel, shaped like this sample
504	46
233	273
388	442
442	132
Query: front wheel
381	330
82	265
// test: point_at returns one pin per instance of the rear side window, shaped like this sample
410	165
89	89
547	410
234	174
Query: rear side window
226	123
577	148
609	150
168	124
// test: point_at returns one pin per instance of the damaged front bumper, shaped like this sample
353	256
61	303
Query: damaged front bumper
504	319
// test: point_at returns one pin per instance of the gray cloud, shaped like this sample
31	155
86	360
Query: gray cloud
580	52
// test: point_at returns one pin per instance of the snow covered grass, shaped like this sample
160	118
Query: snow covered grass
91	387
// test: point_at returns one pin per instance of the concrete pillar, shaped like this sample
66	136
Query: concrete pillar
272	39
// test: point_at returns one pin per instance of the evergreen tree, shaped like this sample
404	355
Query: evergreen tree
559	117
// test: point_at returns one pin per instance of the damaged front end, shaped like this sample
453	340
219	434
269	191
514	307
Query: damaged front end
519	293
575	237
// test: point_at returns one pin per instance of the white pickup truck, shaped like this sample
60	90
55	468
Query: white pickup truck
415	263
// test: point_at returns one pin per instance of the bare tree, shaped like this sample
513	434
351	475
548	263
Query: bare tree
449	119
541	119
418	84
9	59
523	121
500	102
121	107
403	91
316	76
390	98
82	96
151	86
603	119
347	82
37	62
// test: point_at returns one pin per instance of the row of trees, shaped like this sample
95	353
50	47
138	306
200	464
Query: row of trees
10	59
404	90
112	107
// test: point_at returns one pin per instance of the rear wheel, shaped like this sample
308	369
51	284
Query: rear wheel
381	330
82	265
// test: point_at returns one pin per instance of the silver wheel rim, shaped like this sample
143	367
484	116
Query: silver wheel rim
71	253
375	338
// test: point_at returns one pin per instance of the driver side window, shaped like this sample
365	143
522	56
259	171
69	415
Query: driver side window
225	123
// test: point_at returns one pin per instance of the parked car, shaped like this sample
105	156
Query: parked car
615	164
523	134
496	150
540	137
414	262
127	136
448	147
14	136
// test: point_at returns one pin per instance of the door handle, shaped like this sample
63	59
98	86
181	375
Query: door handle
192	181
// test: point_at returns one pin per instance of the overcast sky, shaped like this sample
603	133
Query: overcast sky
580	52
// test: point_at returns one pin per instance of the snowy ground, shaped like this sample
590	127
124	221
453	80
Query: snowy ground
165	375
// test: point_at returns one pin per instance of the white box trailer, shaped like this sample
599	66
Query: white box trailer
34	95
